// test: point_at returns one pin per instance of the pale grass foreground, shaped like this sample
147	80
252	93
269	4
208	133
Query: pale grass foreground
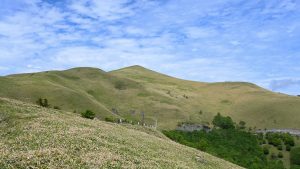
35	137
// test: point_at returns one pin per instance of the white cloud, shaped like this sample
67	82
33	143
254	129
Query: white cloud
108	58
283	83
204	40
198	32
103	10
135	31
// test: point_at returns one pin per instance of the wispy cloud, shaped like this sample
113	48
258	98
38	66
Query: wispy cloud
198	40
284	83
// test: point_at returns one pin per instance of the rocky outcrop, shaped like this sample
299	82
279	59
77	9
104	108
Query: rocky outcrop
290	131
193	127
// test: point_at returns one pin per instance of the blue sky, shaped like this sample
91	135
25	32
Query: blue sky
219	40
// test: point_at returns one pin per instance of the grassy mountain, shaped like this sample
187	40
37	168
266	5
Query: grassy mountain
132	90
36	137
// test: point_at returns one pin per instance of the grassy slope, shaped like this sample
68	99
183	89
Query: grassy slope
75	89
159	96
32	136
242	101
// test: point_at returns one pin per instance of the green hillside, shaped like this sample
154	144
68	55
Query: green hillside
36	137
130	91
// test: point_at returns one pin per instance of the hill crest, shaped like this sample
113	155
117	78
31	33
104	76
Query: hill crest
127	92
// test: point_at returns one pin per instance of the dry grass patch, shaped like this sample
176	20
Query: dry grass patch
44	138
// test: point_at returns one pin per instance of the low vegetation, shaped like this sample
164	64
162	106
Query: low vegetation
43	102
223	122
295	156
229	142
88	114
278	146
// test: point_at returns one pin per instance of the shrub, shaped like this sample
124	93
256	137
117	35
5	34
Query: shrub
120	85
88	114
202	145
279	147
43	102
295	156
223	122
274	139
288	148
110	119
275	164
273	156
288	139
266	150
242	125
295	167
56	107
275	142
237	146
280	155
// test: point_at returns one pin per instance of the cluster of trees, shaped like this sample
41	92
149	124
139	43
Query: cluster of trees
276	139
44	103
282	141
295	158
228	141
223	122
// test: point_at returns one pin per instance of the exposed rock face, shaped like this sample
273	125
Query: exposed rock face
290	131
193	127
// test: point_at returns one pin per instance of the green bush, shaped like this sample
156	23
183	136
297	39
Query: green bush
280	155
274	139
295	156
120	85
234	145
88	114
242	125
288	148
56	107
110	119
288	139
202	145
295	167
273	156
279	147
223	122
266	150
43	102
275	164
231	143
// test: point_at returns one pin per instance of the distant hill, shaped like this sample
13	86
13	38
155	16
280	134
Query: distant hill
129	91
36	137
